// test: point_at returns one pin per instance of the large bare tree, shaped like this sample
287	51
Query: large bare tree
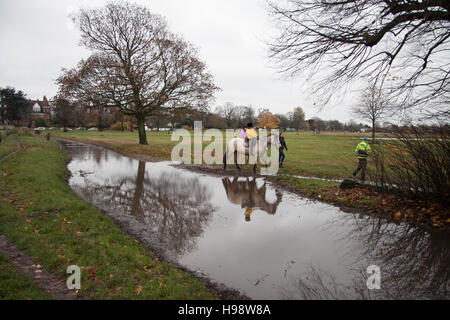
138	65
404	41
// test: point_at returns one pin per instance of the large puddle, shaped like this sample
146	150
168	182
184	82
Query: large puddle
267	243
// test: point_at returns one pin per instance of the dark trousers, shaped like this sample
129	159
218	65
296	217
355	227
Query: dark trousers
281	156
361	166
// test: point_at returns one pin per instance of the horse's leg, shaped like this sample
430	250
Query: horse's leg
264	159
235	161
256	163
225	160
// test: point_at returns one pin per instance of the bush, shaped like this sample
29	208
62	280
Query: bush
12	131
118	126
20	132
40	122
415	164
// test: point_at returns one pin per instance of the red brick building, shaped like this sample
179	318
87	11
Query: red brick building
38	109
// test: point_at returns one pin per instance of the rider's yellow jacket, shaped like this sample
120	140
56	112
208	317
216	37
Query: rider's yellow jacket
251	133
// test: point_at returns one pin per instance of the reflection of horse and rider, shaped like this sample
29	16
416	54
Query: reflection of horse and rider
247	194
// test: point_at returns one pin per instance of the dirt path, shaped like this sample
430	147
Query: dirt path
12	153
46	281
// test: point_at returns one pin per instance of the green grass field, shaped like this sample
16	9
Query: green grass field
326	155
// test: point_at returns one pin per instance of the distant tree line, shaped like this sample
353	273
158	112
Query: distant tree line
233	116
228	116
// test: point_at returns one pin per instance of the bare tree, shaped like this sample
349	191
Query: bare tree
317	124
138	65
228	112
372	107
404	41
241	115
298	118
248	115
64	112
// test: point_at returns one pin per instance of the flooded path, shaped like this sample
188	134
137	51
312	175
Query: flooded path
264	242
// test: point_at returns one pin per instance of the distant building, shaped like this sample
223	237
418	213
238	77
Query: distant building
38	109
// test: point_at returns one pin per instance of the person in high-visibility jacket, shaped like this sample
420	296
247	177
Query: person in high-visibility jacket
362	151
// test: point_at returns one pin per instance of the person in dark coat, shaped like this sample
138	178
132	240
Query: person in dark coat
281	149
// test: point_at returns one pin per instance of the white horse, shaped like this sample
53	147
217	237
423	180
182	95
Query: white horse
238	145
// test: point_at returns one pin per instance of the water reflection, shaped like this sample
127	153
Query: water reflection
292	249
172	207
247	194
413	263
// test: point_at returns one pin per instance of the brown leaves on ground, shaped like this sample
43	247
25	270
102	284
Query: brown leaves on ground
386	204
411	210
92	273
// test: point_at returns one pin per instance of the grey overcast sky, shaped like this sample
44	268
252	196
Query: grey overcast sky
37	40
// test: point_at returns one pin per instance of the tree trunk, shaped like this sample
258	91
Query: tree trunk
141	129
99	122
136	209
373	131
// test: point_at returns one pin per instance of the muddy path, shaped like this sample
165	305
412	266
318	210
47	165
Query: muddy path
18	148
45	280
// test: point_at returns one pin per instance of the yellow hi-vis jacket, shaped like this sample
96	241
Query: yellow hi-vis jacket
251	133
362	150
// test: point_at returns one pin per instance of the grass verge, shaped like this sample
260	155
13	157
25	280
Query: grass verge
367	199
8	145
42	216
